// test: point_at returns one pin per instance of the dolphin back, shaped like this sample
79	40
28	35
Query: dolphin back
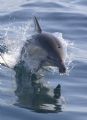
37	26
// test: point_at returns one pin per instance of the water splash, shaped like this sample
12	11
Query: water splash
14	37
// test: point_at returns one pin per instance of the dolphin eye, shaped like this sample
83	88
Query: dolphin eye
59	47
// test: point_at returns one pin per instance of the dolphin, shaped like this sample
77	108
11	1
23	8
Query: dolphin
50	50
52	45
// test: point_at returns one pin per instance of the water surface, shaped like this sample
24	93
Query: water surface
53	96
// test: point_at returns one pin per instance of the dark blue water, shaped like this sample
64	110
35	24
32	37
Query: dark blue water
54	96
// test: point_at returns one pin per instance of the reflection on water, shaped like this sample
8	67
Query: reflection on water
33	94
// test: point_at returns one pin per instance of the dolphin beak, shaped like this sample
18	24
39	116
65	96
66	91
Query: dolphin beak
54	62
61	66
62	69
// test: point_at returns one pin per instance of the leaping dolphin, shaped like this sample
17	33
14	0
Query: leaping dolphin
52	46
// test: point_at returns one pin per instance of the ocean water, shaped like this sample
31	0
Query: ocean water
53	96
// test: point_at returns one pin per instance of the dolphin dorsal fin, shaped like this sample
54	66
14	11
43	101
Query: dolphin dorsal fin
37	26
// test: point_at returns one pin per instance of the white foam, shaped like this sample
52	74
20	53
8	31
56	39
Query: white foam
14	38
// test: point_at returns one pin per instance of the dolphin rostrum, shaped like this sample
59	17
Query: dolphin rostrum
52	47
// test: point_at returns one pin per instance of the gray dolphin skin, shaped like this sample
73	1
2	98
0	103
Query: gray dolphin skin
52	45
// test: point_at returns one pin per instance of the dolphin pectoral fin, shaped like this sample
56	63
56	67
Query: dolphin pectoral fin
37	26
